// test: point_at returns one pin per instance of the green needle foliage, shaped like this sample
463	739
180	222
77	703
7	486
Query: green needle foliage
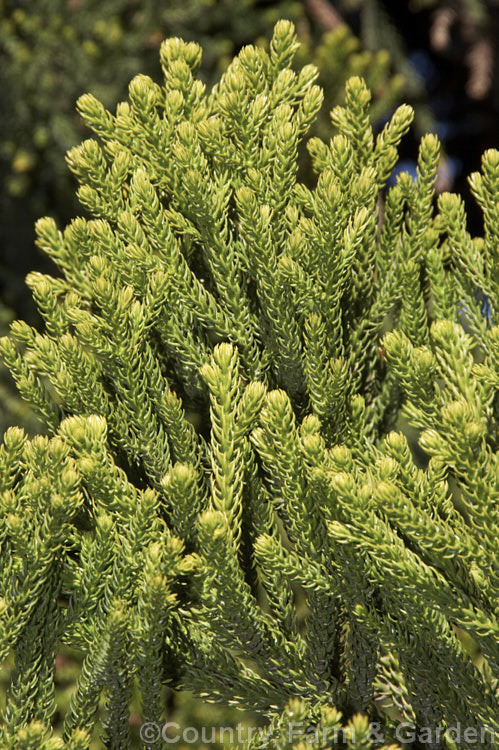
225	501
13	410
52	51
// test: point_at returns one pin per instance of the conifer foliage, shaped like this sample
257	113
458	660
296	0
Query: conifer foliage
223	404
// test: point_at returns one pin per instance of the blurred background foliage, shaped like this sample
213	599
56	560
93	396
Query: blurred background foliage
438	55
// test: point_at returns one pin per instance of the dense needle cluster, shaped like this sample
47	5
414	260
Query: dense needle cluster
226	501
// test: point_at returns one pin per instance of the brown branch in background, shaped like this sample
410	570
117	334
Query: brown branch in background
480	55
442	22
324	13
445	179
480	61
